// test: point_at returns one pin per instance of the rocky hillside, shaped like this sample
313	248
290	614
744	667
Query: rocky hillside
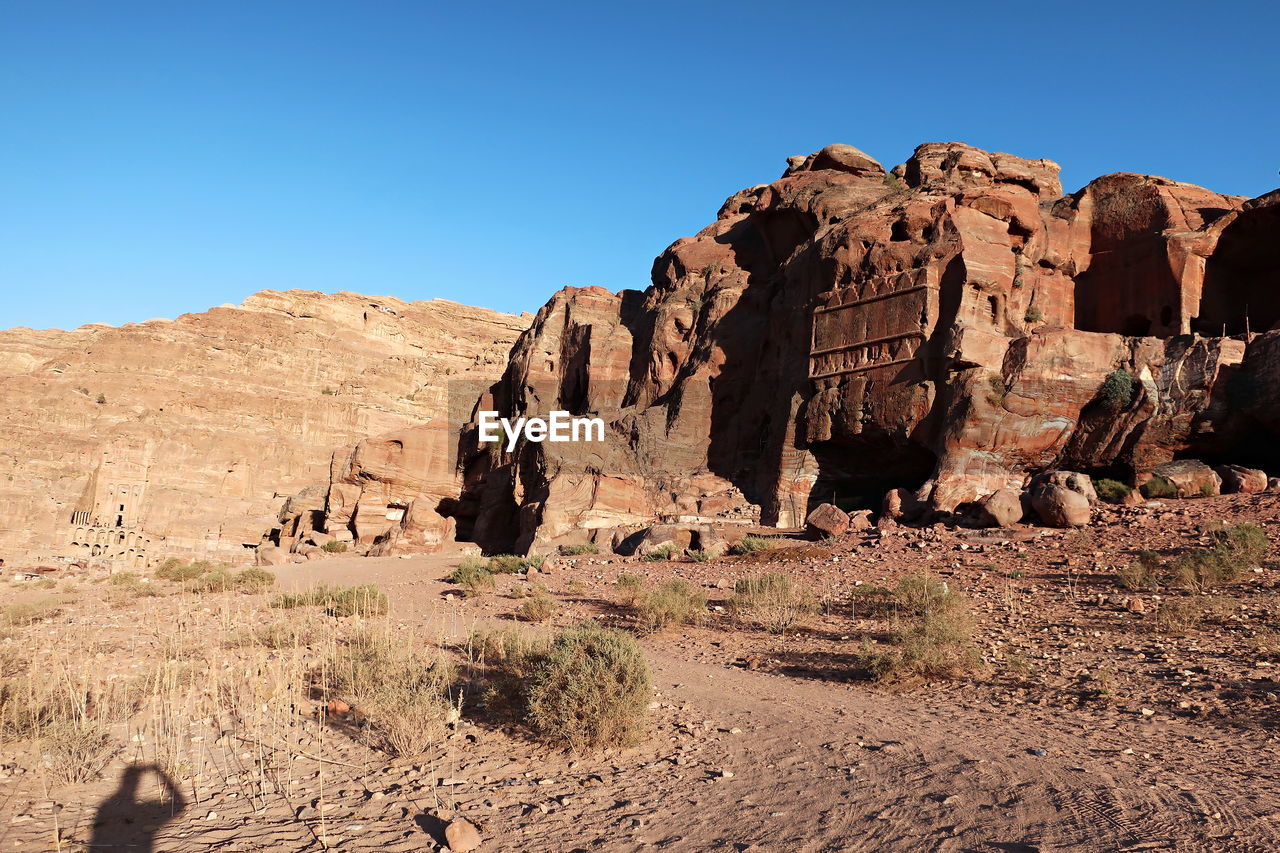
182	437
949	327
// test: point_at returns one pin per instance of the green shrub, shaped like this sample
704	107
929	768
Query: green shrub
590	690
1236	550
1033	315
1111	491
510	564
254	579
673	603
474	575
750	545
661	554
333	546
580	549
1159	487
1117	390
773	600
698	555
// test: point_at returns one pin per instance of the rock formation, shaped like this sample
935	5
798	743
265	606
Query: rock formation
948	327
182	437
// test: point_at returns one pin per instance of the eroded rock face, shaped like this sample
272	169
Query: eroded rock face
946	329
207	422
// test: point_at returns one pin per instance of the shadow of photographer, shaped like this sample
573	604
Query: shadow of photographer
126	822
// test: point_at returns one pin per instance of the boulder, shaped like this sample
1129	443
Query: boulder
1236	479
860	520
271	555
673	538
1072	480
1273	484
826	520
902	505
1059	506
1191	477
461	835
1001	508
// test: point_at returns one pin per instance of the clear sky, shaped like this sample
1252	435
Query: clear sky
164	157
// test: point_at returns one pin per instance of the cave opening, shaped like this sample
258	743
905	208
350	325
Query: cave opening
855	473
1242	277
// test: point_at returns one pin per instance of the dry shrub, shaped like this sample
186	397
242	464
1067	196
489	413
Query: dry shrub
935	639
871	601
1144	574
22	614
590	690
284	634
673	603
1176	615
363	600
629	589
774	601
403	694
537	608
67	719
584	688
126	587
921	595
175	570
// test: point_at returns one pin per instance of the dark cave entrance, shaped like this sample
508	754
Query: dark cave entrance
1242	276
854	473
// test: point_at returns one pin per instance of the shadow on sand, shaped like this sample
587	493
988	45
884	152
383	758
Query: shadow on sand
126	822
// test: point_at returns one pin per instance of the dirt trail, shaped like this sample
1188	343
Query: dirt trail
738	760
829	767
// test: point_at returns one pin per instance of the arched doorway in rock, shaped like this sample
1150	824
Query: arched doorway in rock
1242	276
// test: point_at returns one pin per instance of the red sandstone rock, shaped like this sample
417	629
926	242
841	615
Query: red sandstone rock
827	520
1192	478
1060	506
944	330
1001	508
1238	479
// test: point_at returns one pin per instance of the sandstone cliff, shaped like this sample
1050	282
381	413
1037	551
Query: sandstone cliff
182	437
951	326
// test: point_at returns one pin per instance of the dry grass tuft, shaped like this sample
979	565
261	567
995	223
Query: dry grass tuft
363	600
404	695
774	601
672	603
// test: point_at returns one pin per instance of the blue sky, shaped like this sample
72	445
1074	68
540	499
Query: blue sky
158	158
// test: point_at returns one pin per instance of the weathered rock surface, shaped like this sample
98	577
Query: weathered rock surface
1191	477
1060	506
945	329
1001	508
1236	479
827	520
206	422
